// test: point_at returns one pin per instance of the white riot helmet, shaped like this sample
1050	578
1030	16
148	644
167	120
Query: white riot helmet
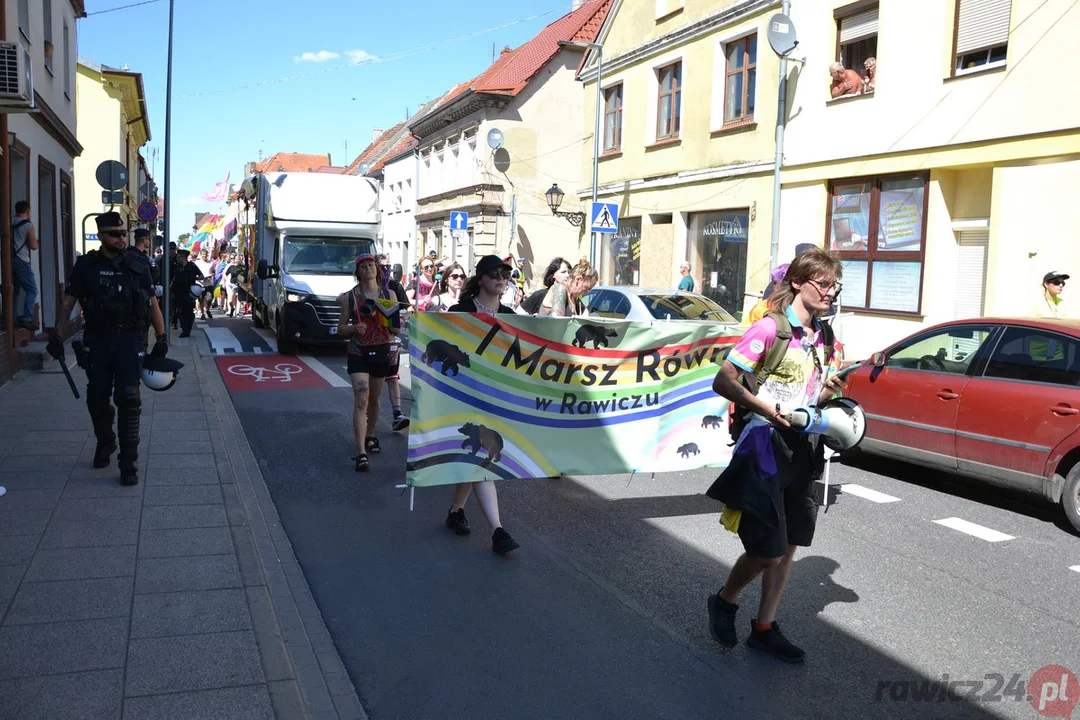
196	291
840	422
160	373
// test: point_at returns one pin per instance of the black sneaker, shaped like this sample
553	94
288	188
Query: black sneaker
401	421
129	477
103	454
722	621
773	642
502	543
456	521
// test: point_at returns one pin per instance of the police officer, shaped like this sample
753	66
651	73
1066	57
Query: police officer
115	291
185	274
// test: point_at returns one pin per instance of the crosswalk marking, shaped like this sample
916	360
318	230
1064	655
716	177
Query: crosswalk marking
324	372
866	493
222	339
970	528
1075	568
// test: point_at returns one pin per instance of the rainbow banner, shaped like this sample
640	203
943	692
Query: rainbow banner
528	397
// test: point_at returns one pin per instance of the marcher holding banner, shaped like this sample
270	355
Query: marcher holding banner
481	295
767	488
564	299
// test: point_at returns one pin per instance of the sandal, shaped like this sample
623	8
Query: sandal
362	464
372	445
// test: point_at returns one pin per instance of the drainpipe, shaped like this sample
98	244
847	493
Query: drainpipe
781	121
6	241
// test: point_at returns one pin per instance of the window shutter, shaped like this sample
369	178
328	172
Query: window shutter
971	273
982	24
857	27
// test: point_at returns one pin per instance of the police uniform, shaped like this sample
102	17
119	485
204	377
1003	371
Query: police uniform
183	277
114	294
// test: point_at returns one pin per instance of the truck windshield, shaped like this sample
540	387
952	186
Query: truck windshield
323	255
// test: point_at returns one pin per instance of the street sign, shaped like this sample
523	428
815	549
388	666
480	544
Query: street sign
605	218
112	198
148	212
112	175
459	221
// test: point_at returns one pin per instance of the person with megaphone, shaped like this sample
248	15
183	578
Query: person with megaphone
785	361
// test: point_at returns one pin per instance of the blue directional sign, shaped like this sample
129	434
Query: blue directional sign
605	218
459	220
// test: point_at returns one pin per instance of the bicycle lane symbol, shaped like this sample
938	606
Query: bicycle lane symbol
267	372
282	372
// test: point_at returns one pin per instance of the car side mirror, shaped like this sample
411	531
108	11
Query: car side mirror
877	360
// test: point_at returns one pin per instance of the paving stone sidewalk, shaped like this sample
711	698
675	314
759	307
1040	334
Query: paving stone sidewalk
177	598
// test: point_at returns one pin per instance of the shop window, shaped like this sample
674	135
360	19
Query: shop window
981	34
720	240
624	254
855	70
741	81
877	226
669	101
613	101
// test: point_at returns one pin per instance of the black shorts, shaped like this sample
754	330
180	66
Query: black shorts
374	360
798	513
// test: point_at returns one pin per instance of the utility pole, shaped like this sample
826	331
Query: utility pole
166	275
778	162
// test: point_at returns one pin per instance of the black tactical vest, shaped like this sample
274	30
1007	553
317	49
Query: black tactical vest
114	300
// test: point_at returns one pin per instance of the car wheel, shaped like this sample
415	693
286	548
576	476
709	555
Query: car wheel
286	345
1070	496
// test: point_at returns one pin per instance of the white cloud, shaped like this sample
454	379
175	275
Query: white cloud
317	57
359	56
190	200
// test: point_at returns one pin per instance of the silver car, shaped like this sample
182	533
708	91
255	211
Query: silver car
651	304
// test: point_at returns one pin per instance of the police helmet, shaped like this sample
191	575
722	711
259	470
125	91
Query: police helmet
159	373
196	291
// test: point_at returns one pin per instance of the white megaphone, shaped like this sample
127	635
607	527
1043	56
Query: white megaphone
840	422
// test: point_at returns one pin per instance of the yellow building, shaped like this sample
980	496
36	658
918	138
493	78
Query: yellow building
687	143
961	165
112	125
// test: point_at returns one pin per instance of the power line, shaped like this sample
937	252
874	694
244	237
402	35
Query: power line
367	61
122	7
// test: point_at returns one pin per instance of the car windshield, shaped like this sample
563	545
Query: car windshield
323	255
685	306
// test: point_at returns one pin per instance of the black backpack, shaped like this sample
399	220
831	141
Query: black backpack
740	416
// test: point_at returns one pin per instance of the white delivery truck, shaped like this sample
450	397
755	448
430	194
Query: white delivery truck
309	229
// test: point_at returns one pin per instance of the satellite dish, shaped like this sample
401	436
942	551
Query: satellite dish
495	138
364	167
782	35
502	160
112	175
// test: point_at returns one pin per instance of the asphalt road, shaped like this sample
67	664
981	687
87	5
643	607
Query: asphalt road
601	613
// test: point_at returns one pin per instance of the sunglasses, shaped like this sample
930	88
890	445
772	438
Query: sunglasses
427	267
1058	282
115	234
498	274
457	276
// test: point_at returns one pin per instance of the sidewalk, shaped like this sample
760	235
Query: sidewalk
177	598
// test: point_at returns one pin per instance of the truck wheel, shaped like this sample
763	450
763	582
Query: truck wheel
285	345
257	319
1070	496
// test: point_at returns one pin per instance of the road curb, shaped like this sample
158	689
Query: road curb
303	668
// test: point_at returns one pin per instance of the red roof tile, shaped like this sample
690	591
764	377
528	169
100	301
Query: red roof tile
292	162
374	151
406	143
331	170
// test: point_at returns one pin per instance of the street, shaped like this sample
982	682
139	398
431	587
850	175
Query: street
913	576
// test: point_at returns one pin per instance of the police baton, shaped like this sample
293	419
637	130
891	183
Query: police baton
59	357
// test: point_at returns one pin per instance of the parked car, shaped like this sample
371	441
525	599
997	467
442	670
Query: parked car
650	304
993	399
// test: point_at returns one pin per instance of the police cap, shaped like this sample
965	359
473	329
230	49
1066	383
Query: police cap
141	233
110	220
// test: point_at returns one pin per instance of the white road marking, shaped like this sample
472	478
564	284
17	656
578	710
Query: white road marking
269	337
1075	568
866	493
222	339
970	528
257	350
324	372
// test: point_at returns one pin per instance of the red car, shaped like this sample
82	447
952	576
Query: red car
996	399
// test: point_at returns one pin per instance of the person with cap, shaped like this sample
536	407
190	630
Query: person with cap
185	275
174	312
114	288
1050	303
481	295
142	246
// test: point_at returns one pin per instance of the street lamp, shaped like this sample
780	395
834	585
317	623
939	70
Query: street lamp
555	197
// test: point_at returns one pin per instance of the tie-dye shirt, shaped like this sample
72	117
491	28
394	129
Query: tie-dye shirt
797	381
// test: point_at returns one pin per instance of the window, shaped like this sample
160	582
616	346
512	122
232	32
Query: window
613	118
951	350
67	60
607	304
685	307
623	259
24	18
877	227
46	25
981	34
668	106
741	80
856	46
718	245
1034	355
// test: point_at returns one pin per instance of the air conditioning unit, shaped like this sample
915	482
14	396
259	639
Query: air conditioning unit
16	78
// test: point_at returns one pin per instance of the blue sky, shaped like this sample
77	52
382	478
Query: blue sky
224	44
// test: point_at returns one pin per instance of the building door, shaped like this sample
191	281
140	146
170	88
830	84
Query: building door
47	239
971	273
720	240
20	190
67	223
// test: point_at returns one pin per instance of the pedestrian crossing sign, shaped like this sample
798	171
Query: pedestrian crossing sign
605	218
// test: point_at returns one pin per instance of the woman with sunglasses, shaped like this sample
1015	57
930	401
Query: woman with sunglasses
426	288
1051	304
481	295
371	355
450	287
